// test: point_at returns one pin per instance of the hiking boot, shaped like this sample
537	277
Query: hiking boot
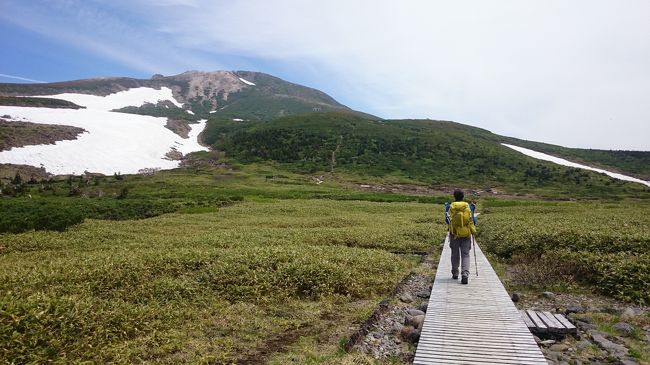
463	280
455	277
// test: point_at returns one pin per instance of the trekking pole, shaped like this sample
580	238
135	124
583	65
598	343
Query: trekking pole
475	263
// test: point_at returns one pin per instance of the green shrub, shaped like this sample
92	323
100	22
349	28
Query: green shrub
603	245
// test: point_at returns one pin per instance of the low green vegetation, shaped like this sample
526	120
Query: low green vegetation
234	284
236	263
58	203
604	245
58	214
167	110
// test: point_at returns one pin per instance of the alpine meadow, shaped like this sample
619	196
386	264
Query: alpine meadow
234	217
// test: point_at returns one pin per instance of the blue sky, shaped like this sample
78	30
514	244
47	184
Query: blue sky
571	73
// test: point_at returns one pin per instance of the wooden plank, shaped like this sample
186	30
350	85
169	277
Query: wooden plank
475	323
551	322
484	357
435	357
471	346
570	327
496	341
487	347
496	359
527	320
457	362
539	324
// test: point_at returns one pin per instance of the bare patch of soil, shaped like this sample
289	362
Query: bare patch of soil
20	133
26	101
412	189
277	344
174	155
180	127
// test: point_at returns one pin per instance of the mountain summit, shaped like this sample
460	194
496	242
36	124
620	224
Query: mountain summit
243	95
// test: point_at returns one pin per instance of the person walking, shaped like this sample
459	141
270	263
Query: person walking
461	229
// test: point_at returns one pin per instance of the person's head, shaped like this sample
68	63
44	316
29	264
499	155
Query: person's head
458	195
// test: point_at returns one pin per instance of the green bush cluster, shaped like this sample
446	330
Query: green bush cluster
607	245
260	273
23	214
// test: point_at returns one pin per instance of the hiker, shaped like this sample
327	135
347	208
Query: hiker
461	229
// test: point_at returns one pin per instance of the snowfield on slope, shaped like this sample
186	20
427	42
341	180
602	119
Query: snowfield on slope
246	82
115	142
563	162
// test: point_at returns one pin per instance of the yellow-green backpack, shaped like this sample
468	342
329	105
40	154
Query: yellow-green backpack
460	217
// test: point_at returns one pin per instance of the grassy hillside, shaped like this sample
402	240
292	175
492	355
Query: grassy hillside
635	163
428	152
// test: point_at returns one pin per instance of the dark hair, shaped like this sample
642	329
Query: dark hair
458	195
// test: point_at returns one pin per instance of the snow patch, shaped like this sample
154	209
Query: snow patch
237	120
213	111
132	97
563	162
191	144
190	112
115	142
246	82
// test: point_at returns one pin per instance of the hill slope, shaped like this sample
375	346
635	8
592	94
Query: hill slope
424	151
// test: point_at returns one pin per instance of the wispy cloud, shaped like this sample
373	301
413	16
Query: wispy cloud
103	32
21	78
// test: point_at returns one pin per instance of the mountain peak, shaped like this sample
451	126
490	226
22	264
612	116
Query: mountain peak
239	94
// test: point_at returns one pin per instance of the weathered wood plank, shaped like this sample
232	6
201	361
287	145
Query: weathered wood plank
527	319
435	357
475	323
539	324
484	357
479	346
570	327
552	323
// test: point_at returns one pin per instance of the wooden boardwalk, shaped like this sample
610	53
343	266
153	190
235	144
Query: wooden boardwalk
475	323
